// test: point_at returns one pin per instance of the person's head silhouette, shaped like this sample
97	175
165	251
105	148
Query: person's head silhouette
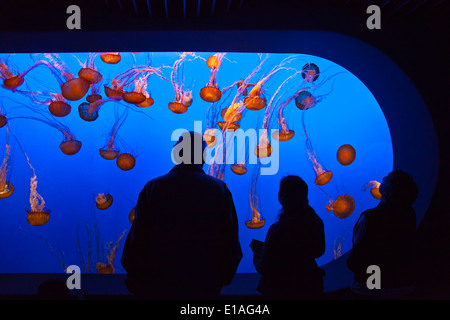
189	148
399	187
293	193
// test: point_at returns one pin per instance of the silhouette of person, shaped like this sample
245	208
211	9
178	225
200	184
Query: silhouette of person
385	236
287	260
184	240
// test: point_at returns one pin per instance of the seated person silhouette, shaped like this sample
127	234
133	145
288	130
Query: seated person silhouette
184	241
286	260
385	236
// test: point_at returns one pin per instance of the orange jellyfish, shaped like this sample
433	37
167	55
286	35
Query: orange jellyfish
70	145
238	168
232	115
256	221
95	93
131	215
103	201
209	137
211	92
109	268
343	206
323	176
72	89
12	79
89	71
263	149
110	57
183	98
255	99
126	161
6	187
375	190
109	152
346	154
59	107
3	120
37	216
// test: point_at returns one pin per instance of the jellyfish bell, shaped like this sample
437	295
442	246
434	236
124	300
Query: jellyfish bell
89	74
375	192
103	202
209	137
228	126
115	94
70	147
111	57
109	154
255	223
233	114
305	100
238	169
3	121
126	161
346	154
343	206
59	108
177	107
104	268
132	215
310	72
148	102
83	111
213	62
13	82
134	97
6	190
38	218
93	97
263	151
255	103
75	89
323	178
210	94
283	136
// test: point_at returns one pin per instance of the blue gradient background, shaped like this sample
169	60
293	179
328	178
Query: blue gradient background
69	184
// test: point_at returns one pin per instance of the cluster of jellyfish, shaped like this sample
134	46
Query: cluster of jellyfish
129	91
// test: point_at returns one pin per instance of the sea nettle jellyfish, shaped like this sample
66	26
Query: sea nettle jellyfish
238	168
183	98
109	268
255	99
323	176
85	114
346	154
37	216
110	57
70	145
103	201
110	152
95	93
89	71
256	221
310	72
131	215
72	89
6	187
3	120
211	92
374	190
305	100
126	161
11	78
343	206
